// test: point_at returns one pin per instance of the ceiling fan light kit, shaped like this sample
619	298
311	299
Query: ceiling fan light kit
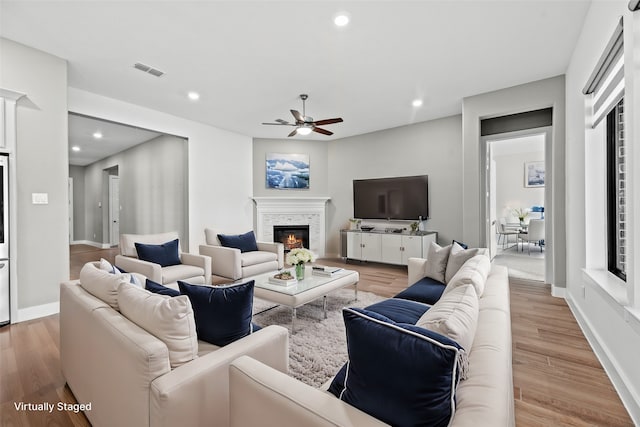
304	124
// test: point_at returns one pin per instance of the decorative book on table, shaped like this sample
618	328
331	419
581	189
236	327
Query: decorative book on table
321	270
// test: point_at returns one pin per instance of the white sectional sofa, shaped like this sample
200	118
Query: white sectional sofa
485	398
126	373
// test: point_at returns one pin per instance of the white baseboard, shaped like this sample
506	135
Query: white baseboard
558	292
331	255
36	312
630	401
90	243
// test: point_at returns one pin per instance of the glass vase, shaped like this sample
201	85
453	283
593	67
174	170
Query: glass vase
300	271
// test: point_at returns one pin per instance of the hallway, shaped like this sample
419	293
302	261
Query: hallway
521	264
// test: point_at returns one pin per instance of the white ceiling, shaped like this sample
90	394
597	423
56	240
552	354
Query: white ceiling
115	138
250	60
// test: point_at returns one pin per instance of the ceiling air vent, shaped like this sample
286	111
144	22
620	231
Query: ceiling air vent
148	69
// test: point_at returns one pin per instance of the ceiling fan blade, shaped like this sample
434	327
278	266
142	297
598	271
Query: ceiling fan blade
293	132
284	122
322	131
279	124
297	115
328	121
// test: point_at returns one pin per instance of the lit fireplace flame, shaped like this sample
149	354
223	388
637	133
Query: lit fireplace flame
292	242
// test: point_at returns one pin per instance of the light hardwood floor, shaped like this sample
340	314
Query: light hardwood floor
557	379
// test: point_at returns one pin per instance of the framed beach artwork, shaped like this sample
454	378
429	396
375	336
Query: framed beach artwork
534	174
287	171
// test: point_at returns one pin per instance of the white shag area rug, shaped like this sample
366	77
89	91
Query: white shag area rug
318	348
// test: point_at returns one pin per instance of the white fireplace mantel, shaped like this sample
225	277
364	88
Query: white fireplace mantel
309	211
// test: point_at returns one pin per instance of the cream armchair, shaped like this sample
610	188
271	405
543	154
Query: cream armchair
234	264
194	269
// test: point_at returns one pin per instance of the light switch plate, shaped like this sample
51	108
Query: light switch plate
40	198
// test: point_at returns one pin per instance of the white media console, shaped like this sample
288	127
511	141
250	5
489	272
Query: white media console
388	247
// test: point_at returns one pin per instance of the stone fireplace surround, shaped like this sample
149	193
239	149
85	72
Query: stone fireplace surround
309	211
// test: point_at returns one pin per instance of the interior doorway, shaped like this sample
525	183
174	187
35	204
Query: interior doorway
515	196
110	206
151	169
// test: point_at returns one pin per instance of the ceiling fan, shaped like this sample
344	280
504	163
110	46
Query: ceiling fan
305	124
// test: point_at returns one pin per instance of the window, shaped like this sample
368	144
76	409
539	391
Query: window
616	192
605	101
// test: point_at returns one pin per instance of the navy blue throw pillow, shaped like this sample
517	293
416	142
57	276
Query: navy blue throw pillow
245	242
416	386
157	288
165	254
222	313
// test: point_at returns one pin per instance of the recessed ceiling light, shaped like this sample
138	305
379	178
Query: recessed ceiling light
97	135
194	96
341	19
75	148
417	103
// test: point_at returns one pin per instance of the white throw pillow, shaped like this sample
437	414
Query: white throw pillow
455	315
137	279
170	319
134	278
106	266
474	271
102	284
437	257
457	257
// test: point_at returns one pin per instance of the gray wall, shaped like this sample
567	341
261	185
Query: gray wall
153	190
517	99
41	254
432	148
317	151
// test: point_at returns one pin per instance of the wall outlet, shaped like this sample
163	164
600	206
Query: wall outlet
40	198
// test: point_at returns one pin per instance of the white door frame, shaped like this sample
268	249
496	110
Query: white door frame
490	205
114	210
70	189
547	131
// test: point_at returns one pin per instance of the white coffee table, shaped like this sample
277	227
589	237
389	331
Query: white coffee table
304	291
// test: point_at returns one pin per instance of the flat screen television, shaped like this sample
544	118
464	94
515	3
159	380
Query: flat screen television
404	198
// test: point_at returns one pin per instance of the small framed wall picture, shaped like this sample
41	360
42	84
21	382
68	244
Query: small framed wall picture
287	171
534	174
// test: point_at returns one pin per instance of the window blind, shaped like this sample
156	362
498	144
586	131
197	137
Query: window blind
605	87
